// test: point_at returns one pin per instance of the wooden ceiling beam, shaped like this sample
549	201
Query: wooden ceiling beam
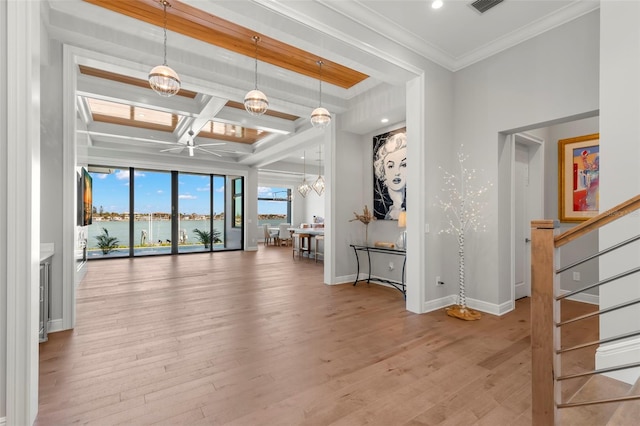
195	23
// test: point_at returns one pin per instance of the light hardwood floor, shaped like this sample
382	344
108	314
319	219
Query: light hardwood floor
256	338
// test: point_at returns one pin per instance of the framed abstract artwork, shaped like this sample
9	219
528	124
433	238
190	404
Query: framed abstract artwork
389	174
578	178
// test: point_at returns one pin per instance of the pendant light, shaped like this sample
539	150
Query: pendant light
256	102
320	117
304	187
318	185
162	79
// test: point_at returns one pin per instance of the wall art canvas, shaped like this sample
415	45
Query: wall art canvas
389	174
579	178
87	198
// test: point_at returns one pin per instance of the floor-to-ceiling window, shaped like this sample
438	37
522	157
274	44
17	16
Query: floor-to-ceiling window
152	212
194	217
108	234
219	192
140	212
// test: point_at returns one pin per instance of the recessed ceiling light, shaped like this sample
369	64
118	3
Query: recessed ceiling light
384	120
437	4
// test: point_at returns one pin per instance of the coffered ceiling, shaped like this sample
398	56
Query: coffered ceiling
365	42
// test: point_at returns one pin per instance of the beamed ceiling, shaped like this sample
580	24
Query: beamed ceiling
366	46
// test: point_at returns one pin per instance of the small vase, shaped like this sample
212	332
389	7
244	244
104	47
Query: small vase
366	234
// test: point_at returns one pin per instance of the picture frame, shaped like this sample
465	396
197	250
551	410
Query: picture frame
389	174
578	178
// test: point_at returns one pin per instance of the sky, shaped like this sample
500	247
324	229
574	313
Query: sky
153	193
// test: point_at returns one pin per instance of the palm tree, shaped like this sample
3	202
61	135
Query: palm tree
106	242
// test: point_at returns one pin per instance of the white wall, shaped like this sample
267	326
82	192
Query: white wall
619	178
313	206
4	163
51	180
349	197
547	78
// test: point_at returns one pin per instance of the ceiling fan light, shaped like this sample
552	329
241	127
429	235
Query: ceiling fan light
164	81
256	102
320	117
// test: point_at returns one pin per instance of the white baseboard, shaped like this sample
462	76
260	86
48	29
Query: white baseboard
452	299
345	279
620	353
55	325
254	248
583	297
434	305
490	308
3	421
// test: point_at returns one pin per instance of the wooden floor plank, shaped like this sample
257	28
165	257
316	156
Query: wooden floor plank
249	338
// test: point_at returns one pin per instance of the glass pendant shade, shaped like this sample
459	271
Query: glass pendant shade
318	185
304	188
164	81
320	118
256	102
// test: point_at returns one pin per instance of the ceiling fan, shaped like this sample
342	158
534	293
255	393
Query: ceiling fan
191	146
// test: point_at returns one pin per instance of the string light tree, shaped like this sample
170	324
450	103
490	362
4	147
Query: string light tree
463	206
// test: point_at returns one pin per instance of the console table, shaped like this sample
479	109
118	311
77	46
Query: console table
373	249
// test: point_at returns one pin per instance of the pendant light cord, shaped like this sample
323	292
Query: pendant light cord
256	39
164	5
320	63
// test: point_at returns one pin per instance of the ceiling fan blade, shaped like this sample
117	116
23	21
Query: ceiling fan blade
177	148
207	151
212	144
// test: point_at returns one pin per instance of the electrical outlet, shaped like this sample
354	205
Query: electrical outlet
391	266
576	276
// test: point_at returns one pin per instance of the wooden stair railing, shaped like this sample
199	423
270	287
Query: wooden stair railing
546	348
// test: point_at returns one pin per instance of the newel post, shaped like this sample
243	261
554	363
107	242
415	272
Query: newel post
542	322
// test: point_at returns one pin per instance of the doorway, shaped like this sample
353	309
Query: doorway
527	204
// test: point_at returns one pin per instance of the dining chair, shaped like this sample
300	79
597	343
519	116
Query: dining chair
284	236
269	236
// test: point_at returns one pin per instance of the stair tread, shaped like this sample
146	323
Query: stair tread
597	387
628	413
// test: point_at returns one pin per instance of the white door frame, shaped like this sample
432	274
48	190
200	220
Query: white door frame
536	189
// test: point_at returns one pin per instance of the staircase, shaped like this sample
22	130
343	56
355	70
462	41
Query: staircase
624	413
588	397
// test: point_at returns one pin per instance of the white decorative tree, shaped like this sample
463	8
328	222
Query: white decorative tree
463	205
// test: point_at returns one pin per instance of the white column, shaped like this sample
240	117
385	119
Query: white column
22	71
416	196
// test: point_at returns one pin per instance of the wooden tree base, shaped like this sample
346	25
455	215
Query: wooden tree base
465	313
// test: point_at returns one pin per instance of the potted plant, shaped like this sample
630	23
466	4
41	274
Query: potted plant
106	242
207	237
